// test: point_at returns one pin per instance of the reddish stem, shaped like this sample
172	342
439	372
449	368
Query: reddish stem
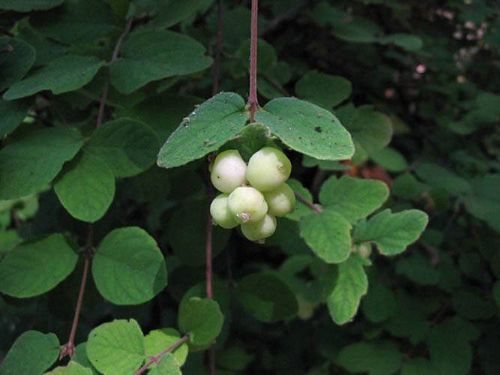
69	347
208	257
253	102
157	358
218	47
317	209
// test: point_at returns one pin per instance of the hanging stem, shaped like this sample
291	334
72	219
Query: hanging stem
253	102
69	347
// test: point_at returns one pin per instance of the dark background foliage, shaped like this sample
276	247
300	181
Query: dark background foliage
415	83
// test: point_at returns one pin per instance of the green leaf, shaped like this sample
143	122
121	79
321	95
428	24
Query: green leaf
392	232
374	358
86	187
128	147
19	58
116	348
442	178
418	366
167	366
201	319
29	5
32	353
157	340
323	89
72	368
449	352
206	129
484	201
77	22
174	12
34	161
192	218
371	130
36	267
353	198
380	303
307	128
418	269
406	41
128	267
300	208
266	297
496	293
390	159
328	234
151	55
13	113
67	73
351	285
162	113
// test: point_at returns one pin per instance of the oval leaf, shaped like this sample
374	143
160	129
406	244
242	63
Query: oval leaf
116	348
32	353
86	188
34	161
128	267
328	234
307	128
201	319
36	267
206	129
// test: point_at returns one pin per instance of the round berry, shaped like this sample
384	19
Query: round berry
281	201
259	230
221	214
228	171
247	204
268	168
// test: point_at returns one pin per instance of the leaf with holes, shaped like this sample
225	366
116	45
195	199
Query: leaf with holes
206	129
307	128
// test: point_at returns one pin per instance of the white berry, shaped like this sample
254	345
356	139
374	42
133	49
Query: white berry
221	214
228	171
259	230
281	201
247	204
268	168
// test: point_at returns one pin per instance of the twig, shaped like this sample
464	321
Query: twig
316	208
208	257
218	47
69	347
157	358
253	101
115	55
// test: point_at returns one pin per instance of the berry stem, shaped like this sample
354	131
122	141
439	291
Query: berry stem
253	102
313	207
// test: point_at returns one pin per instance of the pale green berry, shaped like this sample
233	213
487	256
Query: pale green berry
281	201
259	230
247	204
228	171
221	214
268	168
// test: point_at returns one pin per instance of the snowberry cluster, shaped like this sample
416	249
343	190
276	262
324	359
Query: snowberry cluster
254	194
